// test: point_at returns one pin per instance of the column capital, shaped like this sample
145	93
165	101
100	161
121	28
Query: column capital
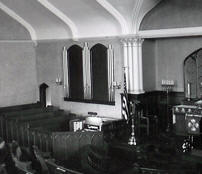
132	40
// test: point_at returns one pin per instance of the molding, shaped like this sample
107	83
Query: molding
15	16
116	14
62	16
89	101
83	39
17	41
173	32
135	15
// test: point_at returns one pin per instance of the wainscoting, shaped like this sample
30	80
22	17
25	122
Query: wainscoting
156	102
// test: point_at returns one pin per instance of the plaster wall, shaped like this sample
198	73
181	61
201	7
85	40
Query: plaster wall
173	14
170	55
149	64
11	29
17	73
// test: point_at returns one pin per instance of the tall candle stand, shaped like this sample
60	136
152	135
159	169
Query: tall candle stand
167	85
132	139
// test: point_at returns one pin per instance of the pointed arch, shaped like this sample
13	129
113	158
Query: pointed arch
99	70
141	8
75	69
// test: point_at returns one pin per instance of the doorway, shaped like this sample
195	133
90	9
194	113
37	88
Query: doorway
42	92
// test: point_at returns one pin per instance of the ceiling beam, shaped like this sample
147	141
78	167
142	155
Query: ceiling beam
19	19
135	15
62	16
116	14
141	8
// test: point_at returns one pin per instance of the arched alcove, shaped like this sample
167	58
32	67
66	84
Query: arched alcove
43	94
99	70
75	68
193	75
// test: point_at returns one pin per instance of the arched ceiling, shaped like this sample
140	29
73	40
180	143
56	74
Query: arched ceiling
62	19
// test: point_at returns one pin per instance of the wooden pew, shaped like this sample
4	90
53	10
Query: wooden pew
46	131
58	169
19	129
40	133
25	114
12	123
66	145
28	112
18	108
47	136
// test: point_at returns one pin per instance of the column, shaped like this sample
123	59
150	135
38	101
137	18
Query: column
110	58
135	67
86	72
130	66
139	44
65	73
125	55
132	50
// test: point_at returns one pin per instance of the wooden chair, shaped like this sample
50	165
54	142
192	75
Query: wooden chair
39	157
21	165
3	169
142	122
94	160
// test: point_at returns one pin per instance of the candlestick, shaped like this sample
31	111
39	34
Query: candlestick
167	85
132	139
189	91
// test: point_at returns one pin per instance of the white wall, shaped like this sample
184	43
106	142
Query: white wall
18	83
149	65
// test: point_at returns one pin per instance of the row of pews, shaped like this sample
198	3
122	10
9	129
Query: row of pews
38	141
15	159
46	129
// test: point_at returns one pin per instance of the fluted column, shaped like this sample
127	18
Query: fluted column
110	58
86	72
125	55
139	44
65	73
132	50
135	66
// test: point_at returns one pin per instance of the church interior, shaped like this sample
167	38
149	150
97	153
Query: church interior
100	87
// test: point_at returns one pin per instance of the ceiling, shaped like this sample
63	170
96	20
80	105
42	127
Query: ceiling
65	19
